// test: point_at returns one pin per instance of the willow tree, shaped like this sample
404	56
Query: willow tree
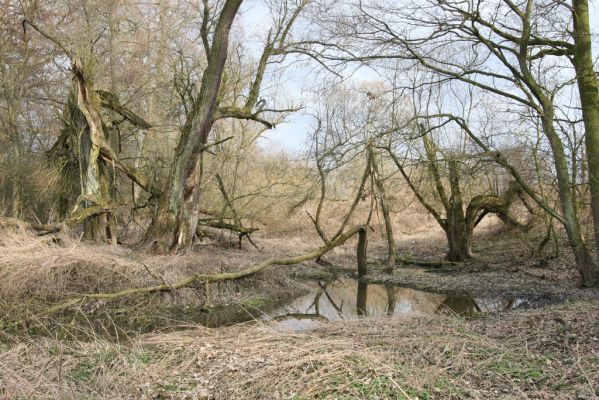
170	226
174	222
348	134
457	216
513	52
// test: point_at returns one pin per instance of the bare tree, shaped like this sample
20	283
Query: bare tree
347	135
501	48
456	218
172	226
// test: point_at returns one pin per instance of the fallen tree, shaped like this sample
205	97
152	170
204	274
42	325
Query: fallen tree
425	263
76	217
198	279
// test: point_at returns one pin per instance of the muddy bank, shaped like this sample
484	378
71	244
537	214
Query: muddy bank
483	285
503	267
38	273
486	284
463	280
548	353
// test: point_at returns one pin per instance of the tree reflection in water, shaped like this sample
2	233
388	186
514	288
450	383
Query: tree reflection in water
460	305
334	300
361	299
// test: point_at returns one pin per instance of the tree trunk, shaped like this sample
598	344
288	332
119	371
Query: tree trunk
170	228
391	299
459	241
583	256
361	252
13	186
195	198
90	132
589	99
14	209
457	230
391	250
362	299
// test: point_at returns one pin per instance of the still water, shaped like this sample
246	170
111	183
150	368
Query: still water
347	298
341	299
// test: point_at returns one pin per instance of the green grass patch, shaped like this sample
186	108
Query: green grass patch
87	369
257	302
562	387
448	388
83	373
523	370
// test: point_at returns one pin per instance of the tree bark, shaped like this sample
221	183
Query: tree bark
459	234
391	250
582	253
171	225
589	99
93	176
361	252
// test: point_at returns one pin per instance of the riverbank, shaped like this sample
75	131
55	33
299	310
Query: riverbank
552	353
155	347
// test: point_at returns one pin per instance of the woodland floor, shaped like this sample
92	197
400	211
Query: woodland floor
549	353
503	266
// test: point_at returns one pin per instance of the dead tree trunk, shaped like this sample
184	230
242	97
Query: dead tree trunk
93	175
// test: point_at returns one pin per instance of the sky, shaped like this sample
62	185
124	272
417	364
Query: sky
292	136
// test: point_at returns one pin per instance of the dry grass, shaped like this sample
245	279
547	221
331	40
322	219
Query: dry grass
551	353
555	357
36	271
32	266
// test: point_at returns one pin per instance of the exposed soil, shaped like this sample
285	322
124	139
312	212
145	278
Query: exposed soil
503	266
